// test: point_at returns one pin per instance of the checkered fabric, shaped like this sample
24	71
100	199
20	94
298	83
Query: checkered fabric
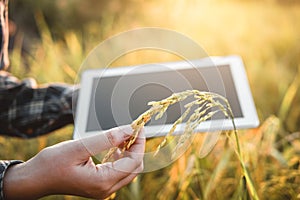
28	111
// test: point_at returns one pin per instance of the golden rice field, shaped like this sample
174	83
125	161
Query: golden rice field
266	34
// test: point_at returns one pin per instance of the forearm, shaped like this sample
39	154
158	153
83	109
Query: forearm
20	182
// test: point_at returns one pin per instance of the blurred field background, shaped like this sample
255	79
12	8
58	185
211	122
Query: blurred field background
51	38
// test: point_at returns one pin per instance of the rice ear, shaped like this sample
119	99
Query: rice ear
205	101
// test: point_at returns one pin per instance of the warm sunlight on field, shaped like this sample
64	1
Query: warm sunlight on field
266	34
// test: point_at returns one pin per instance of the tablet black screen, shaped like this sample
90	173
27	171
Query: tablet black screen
118	100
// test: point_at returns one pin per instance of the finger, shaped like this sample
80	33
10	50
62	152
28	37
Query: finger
133	158
137	148
117	154
110	175
125	166
126	180
118	183
97	143
136	151
139	144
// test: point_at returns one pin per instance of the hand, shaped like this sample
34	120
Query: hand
67	168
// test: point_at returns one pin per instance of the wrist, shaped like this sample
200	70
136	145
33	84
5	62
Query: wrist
21	182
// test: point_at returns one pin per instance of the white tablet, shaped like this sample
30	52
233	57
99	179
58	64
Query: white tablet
116	96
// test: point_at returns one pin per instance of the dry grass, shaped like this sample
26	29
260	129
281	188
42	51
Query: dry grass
265	33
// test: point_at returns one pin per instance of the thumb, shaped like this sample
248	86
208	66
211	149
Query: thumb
95	144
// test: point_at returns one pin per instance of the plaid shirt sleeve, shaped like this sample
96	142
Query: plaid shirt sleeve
28	111
4	164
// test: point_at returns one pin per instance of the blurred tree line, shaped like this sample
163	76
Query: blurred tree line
61	15
75	15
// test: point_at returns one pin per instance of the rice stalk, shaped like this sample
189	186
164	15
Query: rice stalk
209	104
289	97
246	173
205	102
216	174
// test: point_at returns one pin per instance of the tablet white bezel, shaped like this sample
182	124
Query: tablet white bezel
249	119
